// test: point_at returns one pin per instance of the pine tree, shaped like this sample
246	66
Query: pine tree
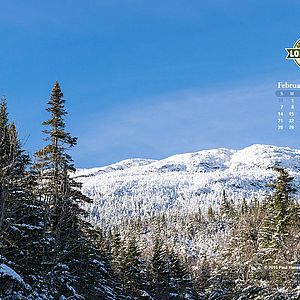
211	214
159	269
60	192
227	210
180	280
204	274
117	250
21	237
118	258
134	273
283	205
244	206
267	230
280	211
67	253
277	237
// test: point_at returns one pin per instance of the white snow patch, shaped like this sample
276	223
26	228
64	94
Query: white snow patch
6	271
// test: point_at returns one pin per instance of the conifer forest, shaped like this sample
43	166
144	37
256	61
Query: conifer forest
51	247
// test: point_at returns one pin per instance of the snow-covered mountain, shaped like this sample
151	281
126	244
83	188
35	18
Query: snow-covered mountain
183	182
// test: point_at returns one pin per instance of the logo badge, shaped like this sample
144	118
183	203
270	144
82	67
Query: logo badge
294	53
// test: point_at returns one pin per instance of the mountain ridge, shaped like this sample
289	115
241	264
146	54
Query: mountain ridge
183	182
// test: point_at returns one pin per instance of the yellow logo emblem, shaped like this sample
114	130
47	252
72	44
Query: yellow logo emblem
294	53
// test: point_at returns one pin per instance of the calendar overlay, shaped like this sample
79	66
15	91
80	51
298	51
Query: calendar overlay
287	110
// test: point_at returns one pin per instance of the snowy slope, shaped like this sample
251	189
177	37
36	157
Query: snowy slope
183	182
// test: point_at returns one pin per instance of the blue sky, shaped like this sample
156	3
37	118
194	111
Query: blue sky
149	78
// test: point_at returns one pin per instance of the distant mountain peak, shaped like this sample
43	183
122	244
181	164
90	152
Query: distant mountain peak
184	182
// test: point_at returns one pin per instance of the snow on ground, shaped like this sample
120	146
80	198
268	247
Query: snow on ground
6	271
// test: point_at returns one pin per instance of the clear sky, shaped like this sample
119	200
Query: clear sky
149	78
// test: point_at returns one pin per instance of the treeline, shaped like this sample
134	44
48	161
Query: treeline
49	250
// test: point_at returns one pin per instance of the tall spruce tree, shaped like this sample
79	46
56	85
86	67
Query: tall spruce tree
180	280
67	252
133	274
283	204
276	236
118	255
279	212
160	273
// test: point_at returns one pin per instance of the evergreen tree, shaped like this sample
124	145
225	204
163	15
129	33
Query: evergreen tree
68	256
244	207
118	259
279	213
278	235
283	205
135	274
21	234
159	269
180	280
204	274
117	251
211	214
267	230
227	210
